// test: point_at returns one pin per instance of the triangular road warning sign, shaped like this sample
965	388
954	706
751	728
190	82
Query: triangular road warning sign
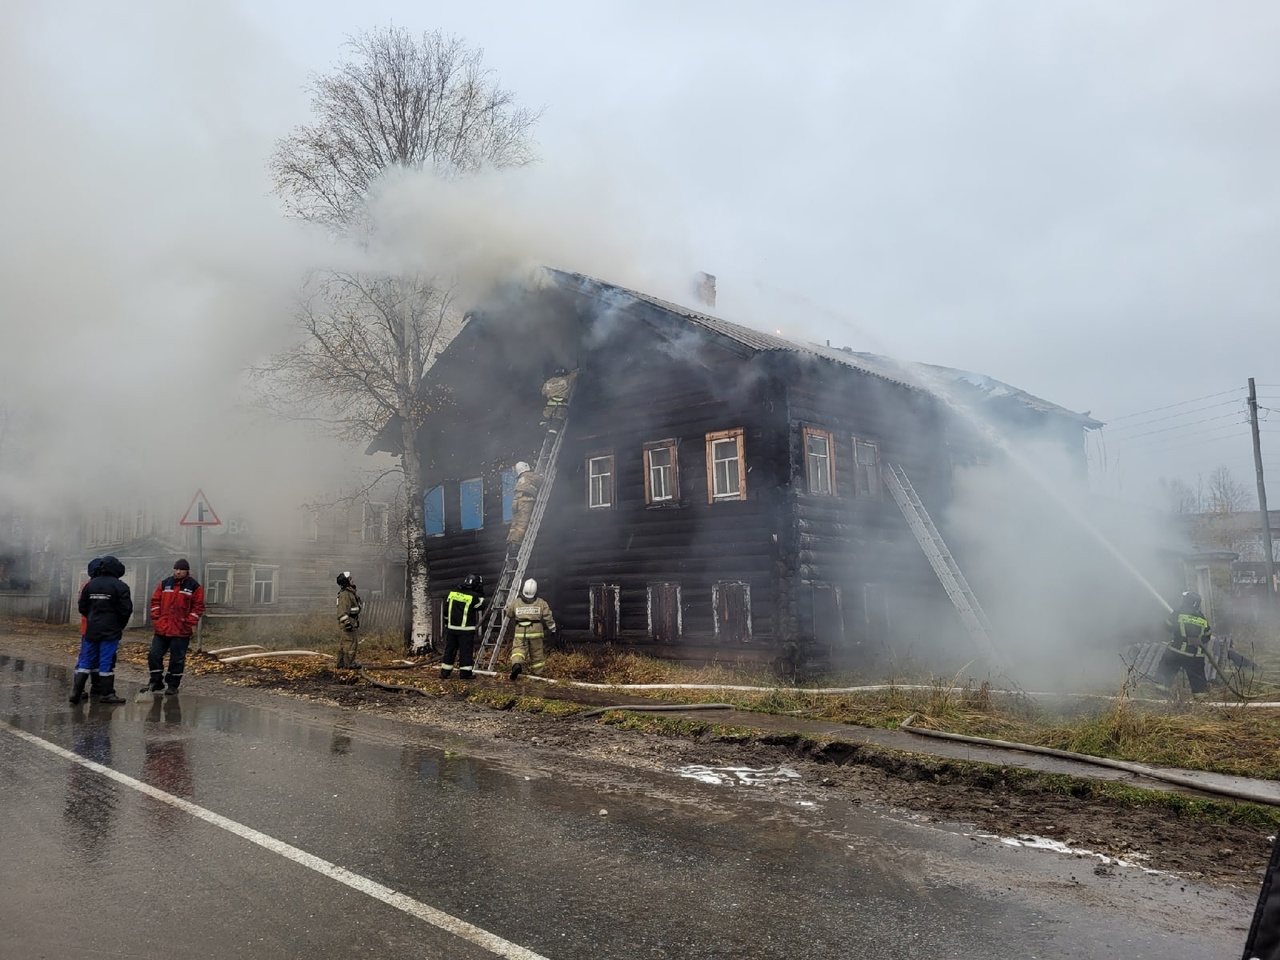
200	514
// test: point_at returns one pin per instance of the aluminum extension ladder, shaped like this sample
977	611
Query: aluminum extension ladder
494	622
943	563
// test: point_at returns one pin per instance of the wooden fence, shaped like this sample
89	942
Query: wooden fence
34	606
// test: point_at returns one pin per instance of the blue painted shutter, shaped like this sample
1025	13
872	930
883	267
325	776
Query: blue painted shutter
471	497
433	512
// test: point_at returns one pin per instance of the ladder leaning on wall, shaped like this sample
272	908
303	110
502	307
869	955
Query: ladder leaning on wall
943	563
493	622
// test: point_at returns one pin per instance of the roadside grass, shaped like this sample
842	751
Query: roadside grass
1119	724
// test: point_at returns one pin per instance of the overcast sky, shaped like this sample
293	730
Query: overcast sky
1080	199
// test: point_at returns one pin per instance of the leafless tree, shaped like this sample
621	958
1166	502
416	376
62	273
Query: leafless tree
399	102
1180	498
1227	495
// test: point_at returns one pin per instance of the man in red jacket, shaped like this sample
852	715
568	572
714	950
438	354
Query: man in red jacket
176	607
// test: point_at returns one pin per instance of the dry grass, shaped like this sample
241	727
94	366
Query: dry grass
1172	732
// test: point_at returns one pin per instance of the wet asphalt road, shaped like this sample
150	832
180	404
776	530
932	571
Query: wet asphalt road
277	829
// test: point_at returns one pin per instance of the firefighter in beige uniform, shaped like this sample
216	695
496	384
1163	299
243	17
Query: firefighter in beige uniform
533	618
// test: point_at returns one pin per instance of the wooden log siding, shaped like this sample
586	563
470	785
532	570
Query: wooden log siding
647	374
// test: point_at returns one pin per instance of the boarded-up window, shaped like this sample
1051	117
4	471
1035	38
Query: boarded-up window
600	481
825	620
875	599
433	512
471	503
726	475
819	464
866	472
732	604
665	621
604	610
661	472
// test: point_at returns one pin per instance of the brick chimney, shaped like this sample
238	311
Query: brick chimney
704	288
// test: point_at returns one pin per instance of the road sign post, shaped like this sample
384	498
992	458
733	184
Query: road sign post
200	515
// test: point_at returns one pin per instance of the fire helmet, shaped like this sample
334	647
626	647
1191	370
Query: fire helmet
522	467
530	589
344	578
473	581
1191	601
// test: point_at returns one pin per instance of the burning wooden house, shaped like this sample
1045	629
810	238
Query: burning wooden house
718	492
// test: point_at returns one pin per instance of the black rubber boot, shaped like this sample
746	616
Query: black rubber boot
172	689
108	694
464	674
77	691
515	670
95	684
155	684
446	674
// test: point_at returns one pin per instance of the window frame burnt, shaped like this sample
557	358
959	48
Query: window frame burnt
719	595
868	483
664	608
672	470
602	627
827	473
718	437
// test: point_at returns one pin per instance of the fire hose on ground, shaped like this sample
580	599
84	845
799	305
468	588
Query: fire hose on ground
1137	768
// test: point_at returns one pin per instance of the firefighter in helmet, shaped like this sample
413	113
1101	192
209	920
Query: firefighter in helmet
349	604
533	620
1190	635
523	496
461	617
556	392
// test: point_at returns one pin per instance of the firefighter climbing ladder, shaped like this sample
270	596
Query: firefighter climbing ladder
943	563
495	623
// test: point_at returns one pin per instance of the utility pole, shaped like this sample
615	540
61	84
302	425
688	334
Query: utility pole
1262	492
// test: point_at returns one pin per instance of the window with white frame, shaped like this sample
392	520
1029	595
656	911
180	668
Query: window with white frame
264	585
308	524
217	586
600	481
819	464
661	472
726	477
374	528
471	503
866	472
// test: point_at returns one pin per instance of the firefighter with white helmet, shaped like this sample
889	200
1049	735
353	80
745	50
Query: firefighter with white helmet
533	620
349	604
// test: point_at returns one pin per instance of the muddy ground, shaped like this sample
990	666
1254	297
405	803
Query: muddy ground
984	798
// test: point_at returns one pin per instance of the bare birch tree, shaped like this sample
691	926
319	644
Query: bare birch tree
399	102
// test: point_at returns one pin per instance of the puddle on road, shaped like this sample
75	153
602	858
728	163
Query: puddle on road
738	776
1032	842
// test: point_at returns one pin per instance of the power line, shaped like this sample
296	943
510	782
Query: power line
1174	416
1169	406
1183	444
1180	426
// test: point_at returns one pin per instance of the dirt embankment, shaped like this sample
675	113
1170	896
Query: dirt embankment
997	800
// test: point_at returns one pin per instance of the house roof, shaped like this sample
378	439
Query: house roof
958	385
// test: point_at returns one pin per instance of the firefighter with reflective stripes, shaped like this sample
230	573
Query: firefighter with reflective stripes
556	392
533	619
349	604
522	499
1190	635
461	617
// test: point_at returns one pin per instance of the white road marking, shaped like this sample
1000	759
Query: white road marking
459	928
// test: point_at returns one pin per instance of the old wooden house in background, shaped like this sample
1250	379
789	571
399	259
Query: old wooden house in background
721	492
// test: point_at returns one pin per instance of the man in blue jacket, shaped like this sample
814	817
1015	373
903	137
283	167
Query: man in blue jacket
106	606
